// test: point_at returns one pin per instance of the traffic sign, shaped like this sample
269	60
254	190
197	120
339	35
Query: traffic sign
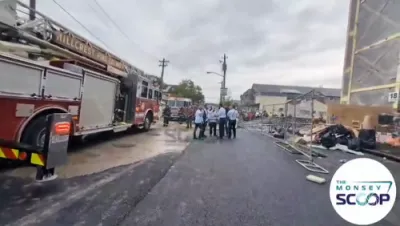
224	91
393	97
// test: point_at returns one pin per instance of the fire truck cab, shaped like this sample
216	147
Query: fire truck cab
177	104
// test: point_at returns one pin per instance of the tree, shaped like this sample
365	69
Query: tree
228	101
188	89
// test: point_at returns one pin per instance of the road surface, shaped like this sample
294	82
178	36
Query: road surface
241	182
247	181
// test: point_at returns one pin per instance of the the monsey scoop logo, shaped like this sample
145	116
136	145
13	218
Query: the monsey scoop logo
363	191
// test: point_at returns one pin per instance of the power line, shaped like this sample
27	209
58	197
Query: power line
82	25
111	20
120	29
95	11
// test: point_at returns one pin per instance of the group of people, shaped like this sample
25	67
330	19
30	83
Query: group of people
224	117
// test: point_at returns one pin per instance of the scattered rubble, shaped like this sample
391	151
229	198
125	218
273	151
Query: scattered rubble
323	136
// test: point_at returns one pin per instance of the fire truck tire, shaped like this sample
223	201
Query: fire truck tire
147	122
34	134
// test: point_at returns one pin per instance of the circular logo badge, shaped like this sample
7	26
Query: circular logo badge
363	191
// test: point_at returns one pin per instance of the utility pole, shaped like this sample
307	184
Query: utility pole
32	6
223	84
163	64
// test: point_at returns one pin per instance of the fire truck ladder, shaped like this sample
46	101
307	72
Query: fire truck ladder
55	39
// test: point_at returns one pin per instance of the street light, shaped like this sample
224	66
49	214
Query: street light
215	73
221	97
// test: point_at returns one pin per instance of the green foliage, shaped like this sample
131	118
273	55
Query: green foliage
188	89
228	101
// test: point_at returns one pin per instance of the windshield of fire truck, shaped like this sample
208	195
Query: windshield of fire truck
178	103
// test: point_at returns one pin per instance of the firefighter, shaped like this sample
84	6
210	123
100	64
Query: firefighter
166	115
222	121
181	115
233	115
198	122
189	117
212	121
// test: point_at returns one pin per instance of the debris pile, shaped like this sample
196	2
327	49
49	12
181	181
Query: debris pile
354	140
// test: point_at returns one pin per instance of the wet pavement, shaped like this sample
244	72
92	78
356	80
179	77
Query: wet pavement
117	150
246	181
140	159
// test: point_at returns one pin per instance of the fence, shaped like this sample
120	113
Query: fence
284	120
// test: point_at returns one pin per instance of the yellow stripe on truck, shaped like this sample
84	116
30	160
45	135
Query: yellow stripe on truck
37	159
2	154
8	153
16	152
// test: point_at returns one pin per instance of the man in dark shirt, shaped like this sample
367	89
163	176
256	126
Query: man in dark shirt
227	108
203	129
166	115
189	116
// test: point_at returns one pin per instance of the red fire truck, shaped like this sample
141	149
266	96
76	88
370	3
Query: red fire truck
46	68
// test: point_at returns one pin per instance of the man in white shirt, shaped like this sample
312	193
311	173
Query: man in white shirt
212	121
222	121
233	114
198	122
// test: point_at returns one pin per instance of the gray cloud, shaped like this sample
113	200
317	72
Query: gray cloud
257	35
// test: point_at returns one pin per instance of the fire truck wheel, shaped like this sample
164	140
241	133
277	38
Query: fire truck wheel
35	132
147	122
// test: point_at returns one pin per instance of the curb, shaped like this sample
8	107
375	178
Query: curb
381	154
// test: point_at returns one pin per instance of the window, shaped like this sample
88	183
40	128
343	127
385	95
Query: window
171	103
305	112
150	94
144	89
156	95
179	104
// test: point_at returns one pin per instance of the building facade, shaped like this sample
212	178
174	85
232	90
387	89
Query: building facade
272	99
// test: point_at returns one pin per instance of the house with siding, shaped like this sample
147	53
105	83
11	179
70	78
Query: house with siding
272	99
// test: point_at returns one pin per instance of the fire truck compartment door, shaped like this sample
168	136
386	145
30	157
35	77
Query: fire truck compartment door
97	108
63	85
19	78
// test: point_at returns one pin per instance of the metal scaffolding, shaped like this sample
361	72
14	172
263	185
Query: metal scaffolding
288	122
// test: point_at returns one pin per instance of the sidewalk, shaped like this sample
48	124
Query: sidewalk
246	181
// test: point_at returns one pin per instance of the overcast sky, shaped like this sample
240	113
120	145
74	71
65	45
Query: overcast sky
289	42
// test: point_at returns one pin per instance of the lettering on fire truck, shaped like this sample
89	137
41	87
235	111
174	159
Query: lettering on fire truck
76	44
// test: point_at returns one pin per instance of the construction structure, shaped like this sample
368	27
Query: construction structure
371	73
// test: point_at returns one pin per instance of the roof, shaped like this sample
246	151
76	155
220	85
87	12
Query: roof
169	88
264	88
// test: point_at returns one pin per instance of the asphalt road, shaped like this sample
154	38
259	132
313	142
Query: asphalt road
247	181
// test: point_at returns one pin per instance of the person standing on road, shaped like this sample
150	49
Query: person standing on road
198	122
189	117
222	121
166	115
212	121
227	120
204	126
233	114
